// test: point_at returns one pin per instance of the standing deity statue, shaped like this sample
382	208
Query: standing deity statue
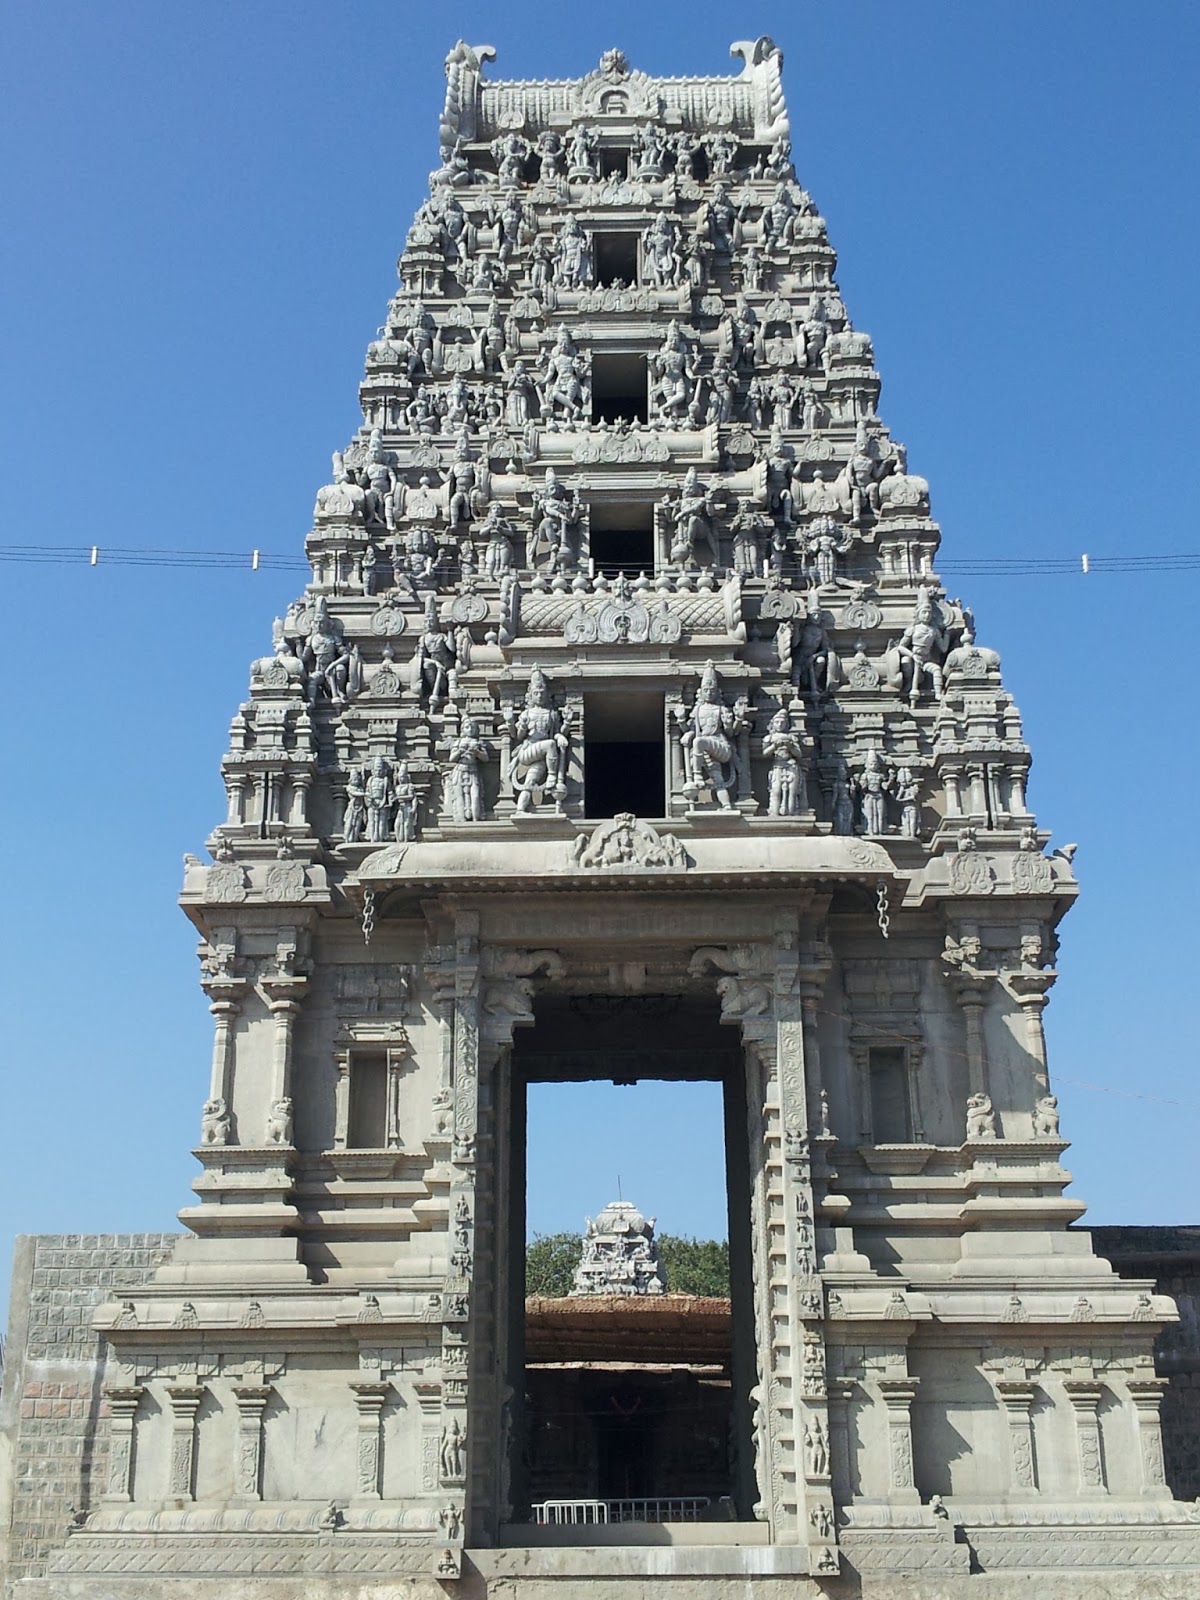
463	778
354	819
649	151
747	529
380	795
520	396
723	383
662	263
754	271
787	793
541	739
573	256
512	228
540	266
672	377
405	794
560	385
510	151
550	152
717	221
906	788
708	741
823	543
556	514
496	532
859	479
379	500
873	784
722	151
435	662
841	800
694	517
469	487
583	151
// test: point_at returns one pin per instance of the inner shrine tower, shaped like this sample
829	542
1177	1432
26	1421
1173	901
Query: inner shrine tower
625	730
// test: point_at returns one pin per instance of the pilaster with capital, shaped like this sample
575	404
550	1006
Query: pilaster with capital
1016	1395
369	1401
283	989
247	1467
1085	1396
897	1395
123	1402
185	1402
1147	1394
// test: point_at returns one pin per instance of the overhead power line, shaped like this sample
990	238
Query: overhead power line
75	555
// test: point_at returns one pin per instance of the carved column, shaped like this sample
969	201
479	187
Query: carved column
1146	1394
459	1310
897	1394
122	1404
1084	1395
235	788
977	792
341	1101
369	1399
302	778
395	1068
1032	991
283	990
970	990
247	1467
1016	1396
185	1402
429	1398
842	1394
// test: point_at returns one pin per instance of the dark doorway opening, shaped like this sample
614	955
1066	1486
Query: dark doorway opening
621	539
632	1405
614	163
619	386
624	754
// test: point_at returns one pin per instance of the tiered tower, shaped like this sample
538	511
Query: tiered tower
626	730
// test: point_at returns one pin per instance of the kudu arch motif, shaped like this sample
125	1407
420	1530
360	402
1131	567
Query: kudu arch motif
621	482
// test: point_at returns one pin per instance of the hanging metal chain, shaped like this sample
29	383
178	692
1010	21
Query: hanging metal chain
368	916
882	899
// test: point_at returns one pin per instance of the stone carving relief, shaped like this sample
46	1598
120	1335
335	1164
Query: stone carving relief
627	843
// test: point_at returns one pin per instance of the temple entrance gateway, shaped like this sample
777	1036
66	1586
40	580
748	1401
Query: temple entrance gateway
627	1399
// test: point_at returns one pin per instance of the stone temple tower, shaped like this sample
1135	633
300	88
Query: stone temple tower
625	730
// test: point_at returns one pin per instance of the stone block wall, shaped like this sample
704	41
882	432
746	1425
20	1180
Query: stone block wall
52	1398
1171	1257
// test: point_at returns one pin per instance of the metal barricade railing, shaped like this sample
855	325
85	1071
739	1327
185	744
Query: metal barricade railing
653	1508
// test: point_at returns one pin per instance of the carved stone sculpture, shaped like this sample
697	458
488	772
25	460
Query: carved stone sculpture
708	741
619	1254
981	1118
787	793
541	740
464	777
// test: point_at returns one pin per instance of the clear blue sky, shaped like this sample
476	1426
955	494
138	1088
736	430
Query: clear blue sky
201	208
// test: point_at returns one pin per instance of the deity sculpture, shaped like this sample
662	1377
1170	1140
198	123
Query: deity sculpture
550	151
786	789
334	672
672	377
405	795
541	739
510	151
708	741
915	658
583	149
380	800
649	151
435	662
693	517
816	667
520	396
823	543
841	800
379	499
560	385
354	818
496	531
873	783
906	788
463	777
662	262
573	256
556	513
469	487
344	499
723	387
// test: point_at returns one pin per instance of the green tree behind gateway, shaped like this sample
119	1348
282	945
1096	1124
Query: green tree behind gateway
693	1266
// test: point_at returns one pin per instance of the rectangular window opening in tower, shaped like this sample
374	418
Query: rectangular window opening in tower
619	387
616	258
367	1123
621	538
614	163
624	753
619	1401
891	1114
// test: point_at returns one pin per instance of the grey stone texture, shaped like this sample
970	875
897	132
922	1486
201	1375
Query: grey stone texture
624	729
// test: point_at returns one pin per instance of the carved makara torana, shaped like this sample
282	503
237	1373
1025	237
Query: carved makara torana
625	730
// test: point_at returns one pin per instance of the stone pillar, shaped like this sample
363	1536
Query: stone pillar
1084	1395
247	1467
842	1394
952	777
302	778
185	1402
369	1399
897	1394
341	1101
977	791
1031	989
122	1404
283	990
429	1398
970	990
395	1067
1016	1396
1146	1394
235	788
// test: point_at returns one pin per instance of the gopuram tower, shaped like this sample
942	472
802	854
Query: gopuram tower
625	730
